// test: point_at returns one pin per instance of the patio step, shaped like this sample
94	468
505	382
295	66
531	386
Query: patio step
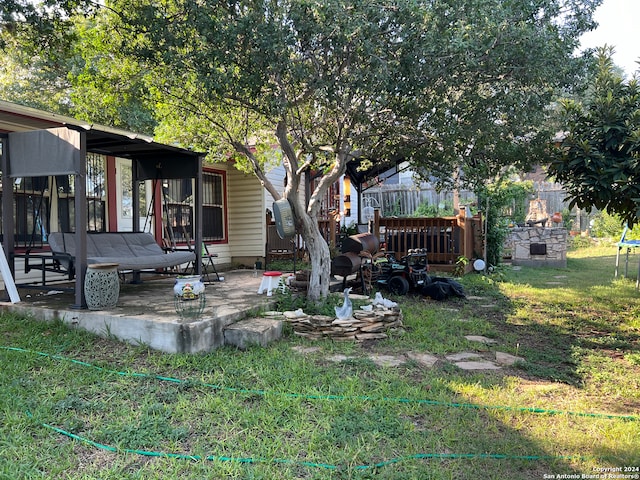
252	331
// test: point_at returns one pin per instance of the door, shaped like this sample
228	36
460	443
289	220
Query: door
124	199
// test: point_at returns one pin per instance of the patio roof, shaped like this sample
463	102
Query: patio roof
366	178
101	139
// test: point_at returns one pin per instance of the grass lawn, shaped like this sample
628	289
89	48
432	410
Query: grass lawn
79	407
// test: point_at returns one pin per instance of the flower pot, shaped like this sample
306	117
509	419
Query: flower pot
189	297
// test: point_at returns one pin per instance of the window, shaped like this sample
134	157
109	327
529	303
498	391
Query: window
177	197
178	200
31	211
96	192
213	206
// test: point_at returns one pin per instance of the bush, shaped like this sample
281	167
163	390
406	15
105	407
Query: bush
606	225
579	241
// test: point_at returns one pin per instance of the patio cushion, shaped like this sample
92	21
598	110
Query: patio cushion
130	250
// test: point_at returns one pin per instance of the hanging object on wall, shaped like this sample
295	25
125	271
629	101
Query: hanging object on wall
283	217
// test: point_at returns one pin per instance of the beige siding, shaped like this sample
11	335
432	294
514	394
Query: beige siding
246	217
276	177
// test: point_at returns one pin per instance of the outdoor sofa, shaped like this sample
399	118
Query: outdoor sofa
134	251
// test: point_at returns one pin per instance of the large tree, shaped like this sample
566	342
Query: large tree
451	85
598	160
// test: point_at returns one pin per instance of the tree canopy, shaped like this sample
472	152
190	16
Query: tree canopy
450	85
598	160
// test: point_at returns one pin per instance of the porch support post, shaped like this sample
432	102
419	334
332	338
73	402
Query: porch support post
80	200
198	217
360	202
8	222
135	189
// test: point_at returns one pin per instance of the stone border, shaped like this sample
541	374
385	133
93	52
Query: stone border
363	325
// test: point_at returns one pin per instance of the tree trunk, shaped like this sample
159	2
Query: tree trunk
306	216
320	260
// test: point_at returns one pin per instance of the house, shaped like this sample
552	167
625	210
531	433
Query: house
132	183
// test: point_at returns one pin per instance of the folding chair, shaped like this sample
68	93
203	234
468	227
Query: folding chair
207	263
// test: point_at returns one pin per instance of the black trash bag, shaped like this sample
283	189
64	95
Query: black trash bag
441	288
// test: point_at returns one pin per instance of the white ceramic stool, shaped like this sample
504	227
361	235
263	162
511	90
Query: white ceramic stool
270	281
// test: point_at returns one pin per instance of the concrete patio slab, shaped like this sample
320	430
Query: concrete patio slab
146	313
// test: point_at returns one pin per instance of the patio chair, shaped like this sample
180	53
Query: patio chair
208	265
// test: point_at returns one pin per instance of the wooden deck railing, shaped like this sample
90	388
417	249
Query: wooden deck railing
446	239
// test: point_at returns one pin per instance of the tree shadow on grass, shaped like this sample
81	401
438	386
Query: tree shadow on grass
558	318
451	435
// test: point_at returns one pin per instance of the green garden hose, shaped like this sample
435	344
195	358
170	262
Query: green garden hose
316	397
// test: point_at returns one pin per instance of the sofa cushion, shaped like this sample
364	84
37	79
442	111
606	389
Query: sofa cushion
108	245
130	250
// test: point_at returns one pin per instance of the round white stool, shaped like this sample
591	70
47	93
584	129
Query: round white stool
269	283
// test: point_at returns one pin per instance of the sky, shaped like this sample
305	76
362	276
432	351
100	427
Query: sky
616	20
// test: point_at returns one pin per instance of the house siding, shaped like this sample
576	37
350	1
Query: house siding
246	227
276	176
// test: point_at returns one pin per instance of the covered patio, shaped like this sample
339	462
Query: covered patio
60	152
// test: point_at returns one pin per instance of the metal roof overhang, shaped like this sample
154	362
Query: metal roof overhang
135	147
100	139
364	178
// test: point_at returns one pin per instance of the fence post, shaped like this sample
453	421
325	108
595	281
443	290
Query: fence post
376	224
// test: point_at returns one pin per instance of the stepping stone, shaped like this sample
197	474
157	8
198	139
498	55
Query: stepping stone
475	297
305	350
424	359
477	365
387	360
559	276
253	331
338	358
554	283
507	359
481	339
456	357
